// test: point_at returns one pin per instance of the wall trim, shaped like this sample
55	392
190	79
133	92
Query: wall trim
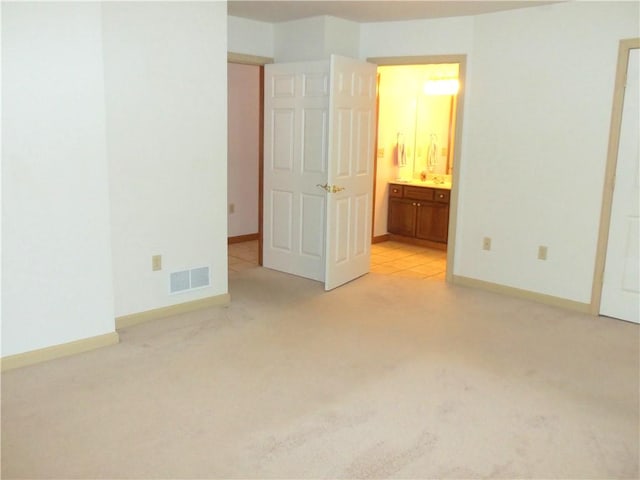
157	313
624	47
58	351
524	294
381	238
245	59
243	238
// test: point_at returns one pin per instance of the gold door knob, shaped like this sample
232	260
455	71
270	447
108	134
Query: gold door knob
330	188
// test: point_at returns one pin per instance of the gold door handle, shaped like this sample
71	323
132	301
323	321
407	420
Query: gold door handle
331	188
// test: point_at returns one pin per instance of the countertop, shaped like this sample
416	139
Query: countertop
420	183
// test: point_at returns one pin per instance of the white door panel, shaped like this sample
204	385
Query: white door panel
621	285
319	130
295	162
283	135
351	137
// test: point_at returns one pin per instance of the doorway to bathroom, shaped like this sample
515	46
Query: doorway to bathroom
387	255
419	131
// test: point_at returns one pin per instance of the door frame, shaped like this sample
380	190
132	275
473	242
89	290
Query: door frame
461	60
244	59
624	49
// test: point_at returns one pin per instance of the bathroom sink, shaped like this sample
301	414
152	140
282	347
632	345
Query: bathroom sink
431	183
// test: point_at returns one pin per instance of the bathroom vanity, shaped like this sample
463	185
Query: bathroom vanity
419	213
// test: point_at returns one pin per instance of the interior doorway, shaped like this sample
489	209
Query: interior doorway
454	153
247	173
243	147
418	150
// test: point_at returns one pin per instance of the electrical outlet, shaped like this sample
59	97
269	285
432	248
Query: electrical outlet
156	263
542	252
232	208
380	152
486	243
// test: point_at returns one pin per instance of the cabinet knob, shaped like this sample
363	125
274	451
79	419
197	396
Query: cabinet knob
414	204
418	204
441	195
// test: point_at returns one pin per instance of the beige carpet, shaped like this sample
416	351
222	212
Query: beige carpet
385	377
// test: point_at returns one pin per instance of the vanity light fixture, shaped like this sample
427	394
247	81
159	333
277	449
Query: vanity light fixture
447	86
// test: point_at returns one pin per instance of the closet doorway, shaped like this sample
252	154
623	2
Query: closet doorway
616	286
418	152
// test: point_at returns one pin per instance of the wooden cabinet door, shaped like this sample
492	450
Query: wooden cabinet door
402	217
432	221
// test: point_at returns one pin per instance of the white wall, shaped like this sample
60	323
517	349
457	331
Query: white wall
536	124
416	37
341	37
299	40
56	260
249	37
165	81
538	127
243	141
315	38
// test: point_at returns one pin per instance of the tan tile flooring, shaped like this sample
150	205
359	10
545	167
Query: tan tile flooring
243	256
400	259
387	258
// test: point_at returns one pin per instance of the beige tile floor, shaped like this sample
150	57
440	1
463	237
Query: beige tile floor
243	256
387	258
399	259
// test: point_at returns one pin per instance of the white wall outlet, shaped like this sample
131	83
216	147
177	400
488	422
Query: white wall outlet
542	252
156	263
486	243
232	208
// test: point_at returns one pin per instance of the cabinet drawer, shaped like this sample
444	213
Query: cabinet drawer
441	196
395	191
419	193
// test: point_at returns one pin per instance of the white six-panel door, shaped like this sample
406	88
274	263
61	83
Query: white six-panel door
295	162
350	169
319	132
621	286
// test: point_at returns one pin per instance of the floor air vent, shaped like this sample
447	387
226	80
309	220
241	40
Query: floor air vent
189	279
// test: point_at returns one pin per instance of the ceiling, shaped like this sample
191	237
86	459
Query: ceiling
365	11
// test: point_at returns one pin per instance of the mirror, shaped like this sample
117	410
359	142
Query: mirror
435	128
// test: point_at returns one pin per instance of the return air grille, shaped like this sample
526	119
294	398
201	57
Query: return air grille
185	280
